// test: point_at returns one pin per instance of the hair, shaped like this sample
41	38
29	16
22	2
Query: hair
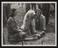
38	10
12	12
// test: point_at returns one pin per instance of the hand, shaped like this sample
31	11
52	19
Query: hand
22	33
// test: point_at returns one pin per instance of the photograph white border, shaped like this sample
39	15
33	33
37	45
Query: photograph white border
29	2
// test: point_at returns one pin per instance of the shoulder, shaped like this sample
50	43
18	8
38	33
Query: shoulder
31	12
42	16
10	19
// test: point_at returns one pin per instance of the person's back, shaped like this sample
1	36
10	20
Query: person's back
27	25
40	21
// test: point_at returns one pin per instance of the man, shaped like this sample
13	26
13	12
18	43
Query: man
13	31
45	8
40	21
28	22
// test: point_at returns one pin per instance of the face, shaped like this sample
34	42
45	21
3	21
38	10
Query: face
13	12
38	13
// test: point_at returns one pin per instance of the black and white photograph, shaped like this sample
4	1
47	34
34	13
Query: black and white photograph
29	23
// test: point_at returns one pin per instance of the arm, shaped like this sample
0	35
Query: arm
44	23
12	24
33	25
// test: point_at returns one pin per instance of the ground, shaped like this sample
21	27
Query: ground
47	39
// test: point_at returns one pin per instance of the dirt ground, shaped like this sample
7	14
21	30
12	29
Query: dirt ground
48	39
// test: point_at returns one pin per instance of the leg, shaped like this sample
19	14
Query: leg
33	26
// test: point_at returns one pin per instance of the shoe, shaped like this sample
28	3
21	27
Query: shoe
43	33
29	38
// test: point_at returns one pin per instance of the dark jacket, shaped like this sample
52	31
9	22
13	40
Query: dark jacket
40	23
13	34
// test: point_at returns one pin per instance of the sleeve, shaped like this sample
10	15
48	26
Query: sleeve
44	23
33	25
12	24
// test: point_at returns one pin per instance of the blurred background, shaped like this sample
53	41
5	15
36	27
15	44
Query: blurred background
48	9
